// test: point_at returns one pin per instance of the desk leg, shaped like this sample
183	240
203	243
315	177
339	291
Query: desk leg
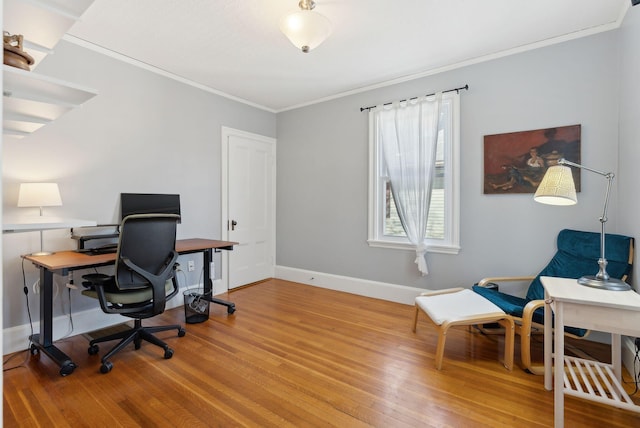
43	341
548	345
558	367
208	283
616	355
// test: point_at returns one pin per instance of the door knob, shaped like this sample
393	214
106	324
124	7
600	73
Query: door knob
233	224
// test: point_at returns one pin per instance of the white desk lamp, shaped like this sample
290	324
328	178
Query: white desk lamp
39	195
557	188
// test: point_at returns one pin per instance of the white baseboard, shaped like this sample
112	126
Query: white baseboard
363	287
17	338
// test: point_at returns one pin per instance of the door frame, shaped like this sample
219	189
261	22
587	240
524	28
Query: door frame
227	132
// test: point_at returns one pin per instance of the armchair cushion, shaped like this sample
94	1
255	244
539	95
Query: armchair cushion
514	306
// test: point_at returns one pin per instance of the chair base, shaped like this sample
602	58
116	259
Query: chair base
136	335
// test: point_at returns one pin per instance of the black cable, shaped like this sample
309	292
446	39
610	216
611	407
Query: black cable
22	364
70	310
25	289
636	369
636	362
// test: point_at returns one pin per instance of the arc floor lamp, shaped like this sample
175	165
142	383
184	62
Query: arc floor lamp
557	188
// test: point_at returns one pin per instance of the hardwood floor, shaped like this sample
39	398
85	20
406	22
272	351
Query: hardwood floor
296	356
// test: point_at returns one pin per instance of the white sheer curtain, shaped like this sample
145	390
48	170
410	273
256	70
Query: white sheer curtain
408	133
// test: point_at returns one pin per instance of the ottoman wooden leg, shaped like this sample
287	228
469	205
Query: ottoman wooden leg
415	318
509	333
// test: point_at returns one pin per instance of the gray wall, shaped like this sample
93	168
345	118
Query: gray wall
629	173
142	133
323	160
147	133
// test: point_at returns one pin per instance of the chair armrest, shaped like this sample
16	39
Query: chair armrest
529	309
525	336
485	281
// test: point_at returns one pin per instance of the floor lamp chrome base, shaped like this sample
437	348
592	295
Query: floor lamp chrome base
604	284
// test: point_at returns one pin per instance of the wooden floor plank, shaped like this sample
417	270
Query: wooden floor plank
296	356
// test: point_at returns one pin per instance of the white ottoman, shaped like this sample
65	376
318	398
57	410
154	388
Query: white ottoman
461	306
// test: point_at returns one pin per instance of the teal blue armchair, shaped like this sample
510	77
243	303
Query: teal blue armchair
577	255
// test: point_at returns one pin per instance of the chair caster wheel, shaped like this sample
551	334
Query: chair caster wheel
93	349
67	369
182	332
168	353
106	367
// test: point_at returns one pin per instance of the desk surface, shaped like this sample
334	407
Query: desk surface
568	290
76	260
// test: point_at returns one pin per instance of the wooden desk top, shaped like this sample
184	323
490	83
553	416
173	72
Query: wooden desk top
76	260
568	290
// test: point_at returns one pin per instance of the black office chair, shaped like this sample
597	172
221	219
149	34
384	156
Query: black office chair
144	280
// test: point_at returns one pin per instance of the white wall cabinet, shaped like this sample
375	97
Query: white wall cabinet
31	100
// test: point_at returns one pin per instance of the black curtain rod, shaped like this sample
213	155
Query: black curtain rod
465	87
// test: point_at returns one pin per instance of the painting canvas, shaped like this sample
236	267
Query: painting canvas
515	162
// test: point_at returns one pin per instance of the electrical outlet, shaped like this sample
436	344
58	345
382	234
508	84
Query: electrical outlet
191	266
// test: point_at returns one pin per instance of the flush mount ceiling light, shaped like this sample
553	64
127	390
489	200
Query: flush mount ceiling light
306	29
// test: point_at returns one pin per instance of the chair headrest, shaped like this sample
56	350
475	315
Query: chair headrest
578	254
587	245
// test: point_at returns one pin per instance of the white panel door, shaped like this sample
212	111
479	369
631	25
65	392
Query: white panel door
250	206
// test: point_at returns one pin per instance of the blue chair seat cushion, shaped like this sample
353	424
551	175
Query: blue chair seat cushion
514	306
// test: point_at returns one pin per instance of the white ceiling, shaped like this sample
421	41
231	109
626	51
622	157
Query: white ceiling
234	47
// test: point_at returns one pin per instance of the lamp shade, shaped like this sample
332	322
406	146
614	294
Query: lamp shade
306	29
557	187
39	195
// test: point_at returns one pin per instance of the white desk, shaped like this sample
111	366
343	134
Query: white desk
615	312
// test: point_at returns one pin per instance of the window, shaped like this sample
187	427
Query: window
385	228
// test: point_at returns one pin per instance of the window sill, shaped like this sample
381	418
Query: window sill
442	249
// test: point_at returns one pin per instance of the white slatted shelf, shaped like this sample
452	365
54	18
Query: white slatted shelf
595	381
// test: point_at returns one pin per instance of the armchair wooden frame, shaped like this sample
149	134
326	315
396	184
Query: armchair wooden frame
525	327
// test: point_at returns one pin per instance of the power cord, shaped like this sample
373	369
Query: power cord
70	286
25	289
636	364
